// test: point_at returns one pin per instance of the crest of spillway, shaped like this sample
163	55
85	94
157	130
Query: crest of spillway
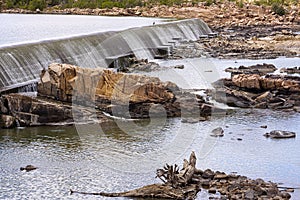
21	64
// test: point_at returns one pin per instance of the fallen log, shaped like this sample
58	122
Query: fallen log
153	191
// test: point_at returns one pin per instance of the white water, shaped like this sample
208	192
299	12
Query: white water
23	63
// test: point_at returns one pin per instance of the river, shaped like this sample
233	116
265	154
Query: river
125	154
28	28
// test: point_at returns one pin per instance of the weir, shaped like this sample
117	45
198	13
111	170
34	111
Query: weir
22	64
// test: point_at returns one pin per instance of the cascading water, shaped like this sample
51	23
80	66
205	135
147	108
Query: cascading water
21	64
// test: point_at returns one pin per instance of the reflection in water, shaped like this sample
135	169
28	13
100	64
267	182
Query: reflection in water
91	162
122	155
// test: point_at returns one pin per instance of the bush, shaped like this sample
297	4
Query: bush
37	4
278	9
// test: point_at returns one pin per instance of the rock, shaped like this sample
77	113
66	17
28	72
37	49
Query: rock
285	195
249	81
7	121
117	93
63	79
217	132
208	174
189	120
291	70
249	194
251	90
266	96
212	190
277	134
28	168
231	186
179	66
32	111
3	108
260	69
220	175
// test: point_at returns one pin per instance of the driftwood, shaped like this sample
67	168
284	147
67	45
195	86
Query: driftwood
176	184
171	175
153	191
187	182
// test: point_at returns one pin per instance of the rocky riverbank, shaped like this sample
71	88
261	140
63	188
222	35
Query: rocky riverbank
218	15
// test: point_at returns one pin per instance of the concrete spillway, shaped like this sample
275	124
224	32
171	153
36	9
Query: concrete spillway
22	64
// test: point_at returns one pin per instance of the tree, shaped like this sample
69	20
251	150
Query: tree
37	4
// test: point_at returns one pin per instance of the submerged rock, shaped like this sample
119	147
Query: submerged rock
217	132
28	168
277	134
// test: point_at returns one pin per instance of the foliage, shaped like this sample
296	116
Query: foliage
240	3
37	4
277	5
278	9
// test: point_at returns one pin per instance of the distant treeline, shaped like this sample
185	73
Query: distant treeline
61	4
42	4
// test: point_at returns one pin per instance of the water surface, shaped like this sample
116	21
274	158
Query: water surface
25	28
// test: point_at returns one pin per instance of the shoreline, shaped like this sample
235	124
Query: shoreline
220	16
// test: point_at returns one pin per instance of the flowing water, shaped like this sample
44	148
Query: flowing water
23	63
124	154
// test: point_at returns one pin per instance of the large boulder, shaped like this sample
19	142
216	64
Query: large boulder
67	82
120	94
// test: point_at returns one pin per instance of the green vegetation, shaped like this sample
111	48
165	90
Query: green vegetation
41	4
278	9
277	5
